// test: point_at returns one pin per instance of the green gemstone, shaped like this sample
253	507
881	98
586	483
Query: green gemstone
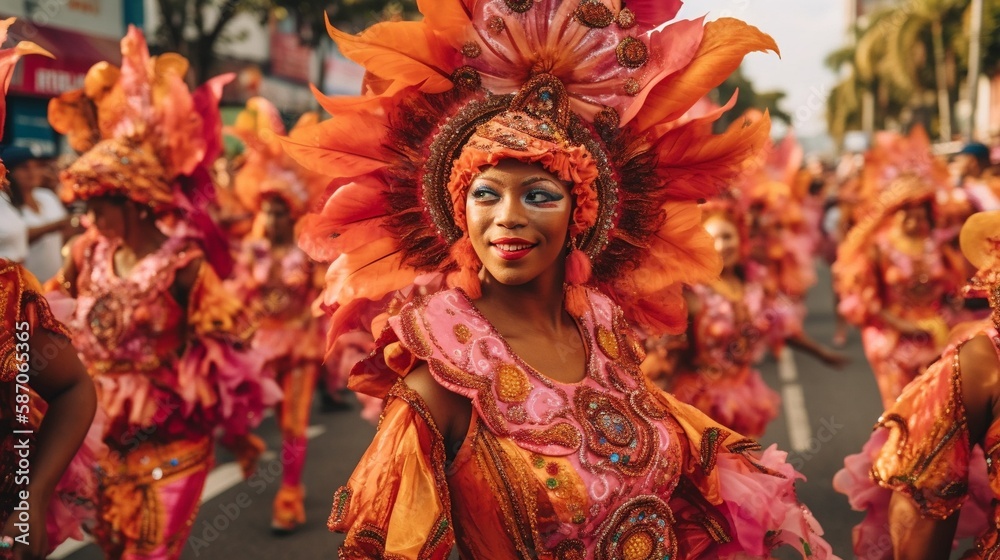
552	483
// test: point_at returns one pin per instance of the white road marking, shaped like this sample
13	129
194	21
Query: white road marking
222	478
793	398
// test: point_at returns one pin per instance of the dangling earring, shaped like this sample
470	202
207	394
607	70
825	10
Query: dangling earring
578	271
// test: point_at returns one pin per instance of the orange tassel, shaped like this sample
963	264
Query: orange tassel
578	267
576	301
578	270
467	275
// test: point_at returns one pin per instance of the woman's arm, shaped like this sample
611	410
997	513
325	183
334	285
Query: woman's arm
67	389
802	341
915	537
980	374
56	226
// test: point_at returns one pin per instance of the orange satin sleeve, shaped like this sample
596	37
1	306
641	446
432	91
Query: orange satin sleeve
927	453
396	504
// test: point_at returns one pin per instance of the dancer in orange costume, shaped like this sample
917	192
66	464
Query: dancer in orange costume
558	209
158	332
278	280
47	403
896	273
923	477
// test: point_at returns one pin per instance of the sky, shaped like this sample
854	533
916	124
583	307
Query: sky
806	31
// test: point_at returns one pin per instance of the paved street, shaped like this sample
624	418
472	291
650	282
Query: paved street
839	407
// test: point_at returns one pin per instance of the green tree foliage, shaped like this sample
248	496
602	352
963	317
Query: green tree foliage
912	58
195	28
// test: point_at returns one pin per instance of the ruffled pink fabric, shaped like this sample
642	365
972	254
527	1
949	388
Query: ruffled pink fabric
295	344
228	384
740	401
755	503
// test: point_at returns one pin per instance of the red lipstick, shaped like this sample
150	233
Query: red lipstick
512	248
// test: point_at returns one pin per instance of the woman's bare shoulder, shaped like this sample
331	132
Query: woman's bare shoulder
450	411
980	373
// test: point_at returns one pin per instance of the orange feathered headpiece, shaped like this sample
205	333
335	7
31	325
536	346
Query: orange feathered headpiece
267	170
139	128
8	59
893	162
594	91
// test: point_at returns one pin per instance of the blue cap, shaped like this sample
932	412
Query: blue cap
13	156
978	151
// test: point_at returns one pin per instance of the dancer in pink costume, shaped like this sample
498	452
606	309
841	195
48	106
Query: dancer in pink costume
734	320
279	282
160	335
896	273
923	477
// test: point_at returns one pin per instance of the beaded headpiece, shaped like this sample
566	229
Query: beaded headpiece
596	92
266	169
143	134
141	131
8	59
980	242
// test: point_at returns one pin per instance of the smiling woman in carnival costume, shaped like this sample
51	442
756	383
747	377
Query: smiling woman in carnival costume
922	477
534	154
158	332
46	399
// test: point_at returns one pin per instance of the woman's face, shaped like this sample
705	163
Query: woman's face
27	175
518	221
727	239
916	221
108	216
278	223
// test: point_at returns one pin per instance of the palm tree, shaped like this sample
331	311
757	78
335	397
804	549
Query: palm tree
890	65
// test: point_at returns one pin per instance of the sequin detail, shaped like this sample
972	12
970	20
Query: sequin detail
519	6
641	529
471	50
608	343
496	25
625	19
615	432
632	86
341	501
632	53
462	333
467	78
513	385
594	14
711	440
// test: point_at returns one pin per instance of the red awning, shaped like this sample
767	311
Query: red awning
75	53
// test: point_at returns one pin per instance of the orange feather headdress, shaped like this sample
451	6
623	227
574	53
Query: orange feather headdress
594	91
267	170
140	129
143	134
8	59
